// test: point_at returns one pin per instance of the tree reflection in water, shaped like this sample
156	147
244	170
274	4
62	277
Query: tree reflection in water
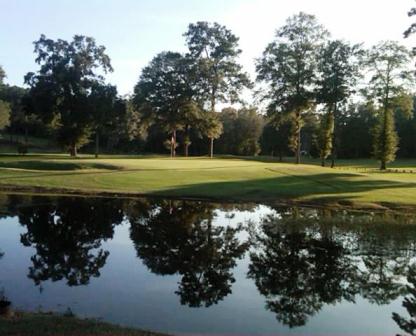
67	234
304	259
179	237
300	259
408	325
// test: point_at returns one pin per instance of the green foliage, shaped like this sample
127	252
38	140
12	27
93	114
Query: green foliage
289	68
325	136
214	50
274	141
385	137
242	130
338	72
212	127
388	89
2	75
354	140
60	92
165	95
4	115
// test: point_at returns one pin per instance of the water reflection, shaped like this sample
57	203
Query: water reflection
408	324
297	260
67	234
178	237
306	259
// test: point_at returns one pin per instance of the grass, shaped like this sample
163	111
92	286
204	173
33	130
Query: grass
34	324
258	179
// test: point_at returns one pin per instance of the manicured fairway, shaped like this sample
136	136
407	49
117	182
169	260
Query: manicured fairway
245	179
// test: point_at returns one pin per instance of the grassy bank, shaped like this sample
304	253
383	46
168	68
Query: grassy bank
239	179
34	324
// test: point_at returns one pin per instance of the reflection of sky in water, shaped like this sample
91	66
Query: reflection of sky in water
126	292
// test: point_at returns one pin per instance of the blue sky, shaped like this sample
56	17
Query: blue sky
135	30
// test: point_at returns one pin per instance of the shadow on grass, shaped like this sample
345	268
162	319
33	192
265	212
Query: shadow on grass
51	165
285	185
288	186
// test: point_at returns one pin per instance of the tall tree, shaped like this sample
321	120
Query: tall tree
164	95
4	106
60	90
105	105
214	51
212	129
338	73
289	68
388	88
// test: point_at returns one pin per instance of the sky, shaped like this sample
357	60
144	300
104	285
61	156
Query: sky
134	31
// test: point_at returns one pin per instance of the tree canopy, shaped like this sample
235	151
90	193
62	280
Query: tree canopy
289	68
60	91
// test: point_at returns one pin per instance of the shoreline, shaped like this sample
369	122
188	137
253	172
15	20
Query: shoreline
268	201
25	323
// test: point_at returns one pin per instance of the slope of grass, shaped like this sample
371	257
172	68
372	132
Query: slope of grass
245	179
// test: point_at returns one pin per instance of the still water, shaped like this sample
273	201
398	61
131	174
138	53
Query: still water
187	267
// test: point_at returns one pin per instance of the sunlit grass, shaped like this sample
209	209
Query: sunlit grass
226	178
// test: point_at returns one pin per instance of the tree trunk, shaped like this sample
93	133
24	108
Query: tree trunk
186	149
186	141
298	126
334	139
383	165
173	144
211	148
323	162
298	146
97	144
73	150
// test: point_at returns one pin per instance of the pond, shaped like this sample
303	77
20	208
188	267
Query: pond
189	267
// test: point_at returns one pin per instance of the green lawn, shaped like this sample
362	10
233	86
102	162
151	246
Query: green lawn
241	179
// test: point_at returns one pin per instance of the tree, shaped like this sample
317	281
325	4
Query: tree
4	106
325	136
60	91
241	131
353	124
214	50
289	69
338	72
273	141
179	237
212	129
2	75
388	88
4	115
66	235
106	105
164	95
408	325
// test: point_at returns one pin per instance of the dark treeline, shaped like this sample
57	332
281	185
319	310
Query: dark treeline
317	96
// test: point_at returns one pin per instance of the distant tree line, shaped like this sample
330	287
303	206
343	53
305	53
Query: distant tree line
316	96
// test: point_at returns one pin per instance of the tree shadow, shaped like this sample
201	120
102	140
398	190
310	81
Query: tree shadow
55	165
329	186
